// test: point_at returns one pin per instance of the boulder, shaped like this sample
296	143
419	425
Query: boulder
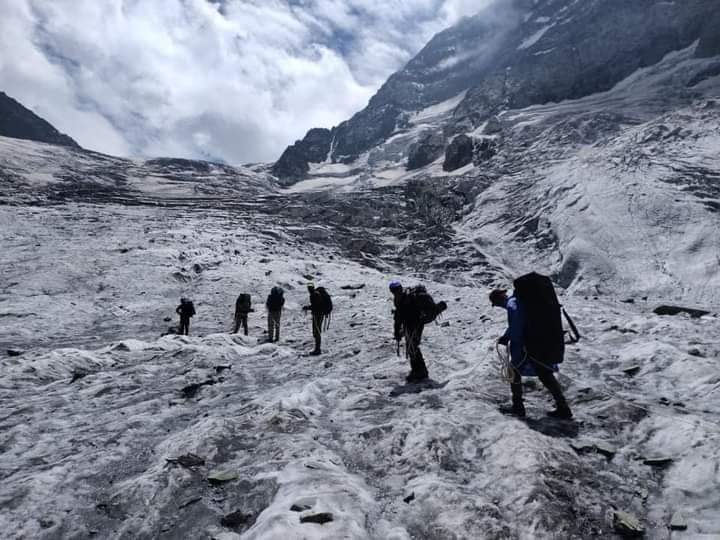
458	153
675	310
627	524
426	150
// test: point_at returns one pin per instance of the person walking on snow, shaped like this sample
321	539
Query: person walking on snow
320	307
414	308
274	304
186	309
524	364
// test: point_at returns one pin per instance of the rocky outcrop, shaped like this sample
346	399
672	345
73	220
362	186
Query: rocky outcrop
517	54
458	153
426	150
709	44
556	57
484	150
293	165
19	122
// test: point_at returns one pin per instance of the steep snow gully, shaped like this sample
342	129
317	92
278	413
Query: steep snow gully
97	410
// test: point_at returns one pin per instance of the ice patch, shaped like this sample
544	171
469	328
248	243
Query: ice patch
533	39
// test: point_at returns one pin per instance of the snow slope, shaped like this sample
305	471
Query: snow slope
87	431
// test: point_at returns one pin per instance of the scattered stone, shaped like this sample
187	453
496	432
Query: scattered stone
627	524
77	374
696	352
445	324
268	272
321	518
14	352
300	507
187	460
605	449
190	502
600	447
235	519
380	376
628	301
678	522
674	310
265	260
167	319
631	370
658	461
222	367
409	498
328	365
220	477
181	277
353	287
192	389
308	277
356	352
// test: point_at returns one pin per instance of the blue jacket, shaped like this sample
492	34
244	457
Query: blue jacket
517	321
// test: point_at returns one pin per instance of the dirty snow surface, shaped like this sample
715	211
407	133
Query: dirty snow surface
97	407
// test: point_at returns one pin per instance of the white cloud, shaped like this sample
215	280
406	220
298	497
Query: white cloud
231	79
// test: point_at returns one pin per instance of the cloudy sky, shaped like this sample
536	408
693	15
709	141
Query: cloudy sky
236	80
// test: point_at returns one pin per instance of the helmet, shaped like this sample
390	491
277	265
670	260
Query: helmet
497	296
395	284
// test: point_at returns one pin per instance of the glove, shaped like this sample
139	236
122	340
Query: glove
503	340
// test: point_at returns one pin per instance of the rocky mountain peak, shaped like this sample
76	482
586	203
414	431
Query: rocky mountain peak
525	53
18	122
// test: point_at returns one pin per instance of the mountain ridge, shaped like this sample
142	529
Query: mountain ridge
19	122
538	52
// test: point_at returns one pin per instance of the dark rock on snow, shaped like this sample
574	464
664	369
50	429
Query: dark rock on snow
321	518
675	310
235	519
458	153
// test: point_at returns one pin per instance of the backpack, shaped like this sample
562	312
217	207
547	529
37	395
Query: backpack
243	303
544	334
418	306
187	308
324	301
275	300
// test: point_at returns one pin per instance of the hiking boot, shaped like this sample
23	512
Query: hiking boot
561	412
315	352
416	377
513	410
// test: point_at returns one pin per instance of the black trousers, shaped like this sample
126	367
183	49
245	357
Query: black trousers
413	336
546	376
317	322
273	320
241	320
184	326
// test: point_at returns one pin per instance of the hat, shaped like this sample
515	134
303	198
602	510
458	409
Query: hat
395	284
497	296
